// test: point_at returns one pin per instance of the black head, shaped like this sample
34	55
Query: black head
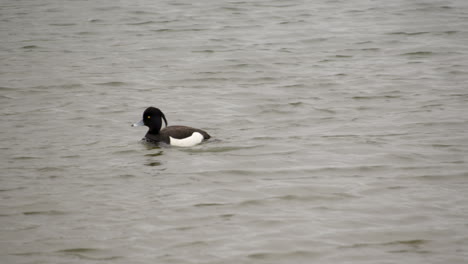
152	119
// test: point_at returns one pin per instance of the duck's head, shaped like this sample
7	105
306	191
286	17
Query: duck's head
152	118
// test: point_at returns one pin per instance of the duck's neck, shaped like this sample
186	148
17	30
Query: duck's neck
154	131
152	136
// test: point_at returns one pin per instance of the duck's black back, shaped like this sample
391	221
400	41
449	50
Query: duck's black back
180	132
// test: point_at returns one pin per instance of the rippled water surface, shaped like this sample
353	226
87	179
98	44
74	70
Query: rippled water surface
339	131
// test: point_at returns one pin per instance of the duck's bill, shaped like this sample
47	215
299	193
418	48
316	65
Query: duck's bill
138	124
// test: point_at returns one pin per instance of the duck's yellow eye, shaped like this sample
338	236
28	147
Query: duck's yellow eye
148	117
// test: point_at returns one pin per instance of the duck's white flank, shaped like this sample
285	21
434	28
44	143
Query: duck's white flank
194	139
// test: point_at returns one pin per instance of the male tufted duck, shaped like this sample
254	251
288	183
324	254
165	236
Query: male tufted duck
181	136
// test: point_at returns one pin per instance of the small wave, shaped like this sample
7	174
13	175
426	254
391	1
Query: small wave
418	53
95	20
78	250
86	253
50	169
314	197
408	33
25	158
265	138
51	212
161	30
3	88
284	255
125	176
364	42
314	40
296	104
62	24
275	111
141	12
328	111
217	149
460	73
443	177
299	85
233	9
376	97
70	156
451	32
371	49
156	154
203	51
209	79
85	33
252	202
107	8
116	83
12	189
227	216
30	47
415	243
60	86
141	23
208	204
343	56
125	151
153	164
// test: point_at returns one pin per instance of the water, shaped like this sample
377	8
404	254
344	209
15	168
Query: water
340	131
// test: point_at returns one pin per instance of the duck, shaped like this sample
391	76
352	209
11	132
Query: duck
180	136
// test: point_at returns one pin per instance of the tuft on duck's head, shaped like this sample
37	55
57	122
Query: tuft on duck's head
182	136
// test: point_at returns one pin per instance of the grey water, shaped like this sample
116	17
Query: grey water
339	131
